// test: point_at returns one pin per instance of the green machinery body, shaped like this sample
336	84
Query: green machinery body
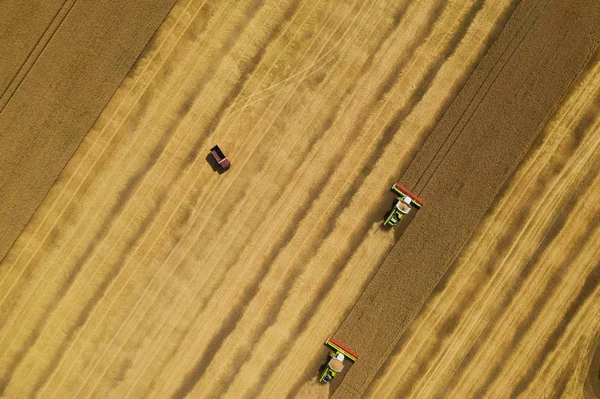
335	364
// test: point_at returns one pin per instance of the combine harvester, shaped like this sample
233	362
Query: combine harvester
403	204
337	354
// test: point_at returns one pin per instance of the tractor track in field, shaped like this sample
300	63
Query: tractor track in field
471	105
592	380
35	52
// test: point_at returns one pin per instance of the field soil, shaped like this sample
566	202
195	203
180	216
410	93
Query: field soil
23	25
61	63
145	273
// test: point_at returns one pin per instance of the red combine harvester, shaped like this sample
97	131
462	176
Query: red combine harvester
220	157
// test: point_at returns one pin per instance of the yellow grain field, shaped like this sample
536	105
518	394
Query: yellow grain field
145	273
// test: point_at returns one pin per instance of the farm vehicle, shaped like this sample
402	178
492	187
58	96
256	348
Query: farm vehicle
404	202
335	364
220	158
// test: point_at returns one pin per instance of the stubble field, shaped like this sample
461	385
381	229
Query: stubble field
144	273
517	314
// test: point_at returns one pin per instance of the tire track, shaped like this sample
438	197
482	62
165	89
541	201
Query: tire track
589	287
592	380
563	381
231	99
131	186
493	80
559	373
256	96
35	53
252	289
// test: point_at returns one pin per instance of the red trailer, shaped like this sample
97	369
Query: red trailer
220	157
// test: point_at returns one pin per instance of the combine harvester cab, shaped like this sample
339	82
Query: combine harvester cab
337	354
404	202
220	157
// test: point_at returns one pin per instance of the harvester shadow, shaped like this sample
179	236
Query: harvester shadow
213	164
